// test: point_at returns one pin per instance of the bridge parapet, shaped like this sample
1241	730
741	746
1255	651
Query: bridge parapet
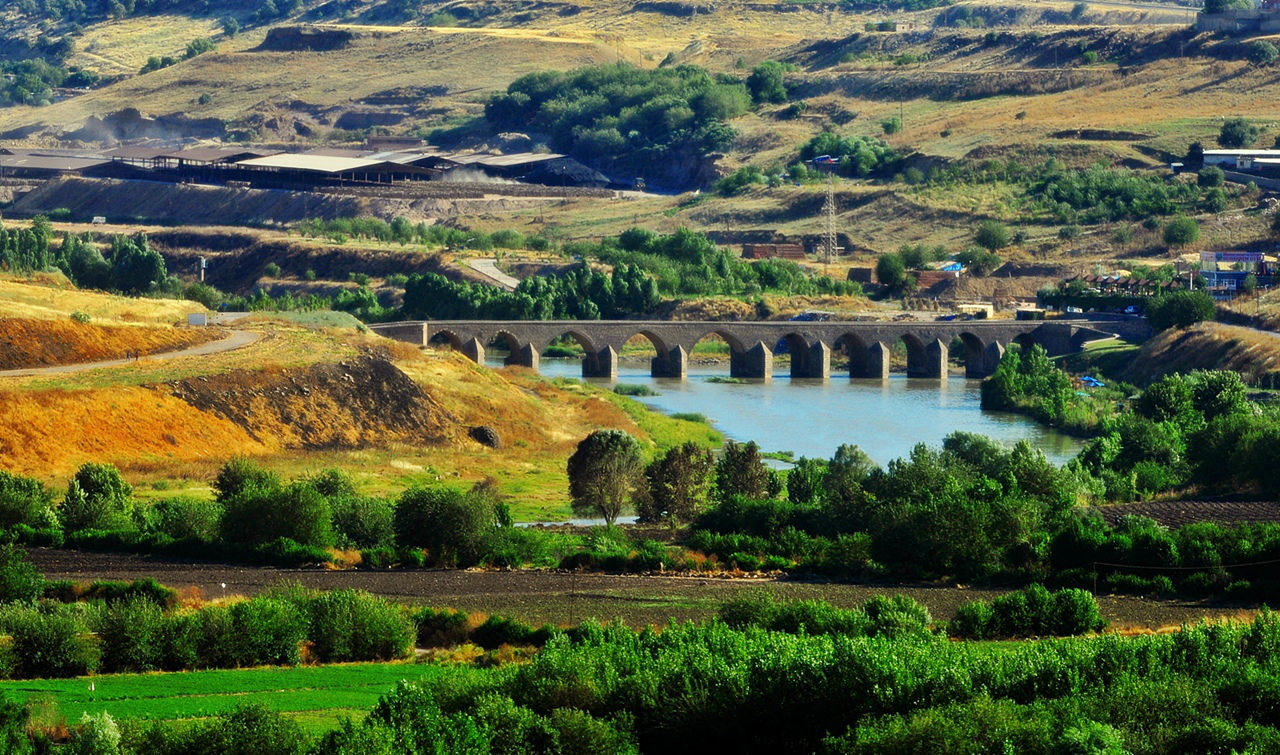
753	345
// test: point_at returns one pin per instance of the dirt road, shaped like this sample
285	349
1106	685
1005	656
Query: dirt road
237	339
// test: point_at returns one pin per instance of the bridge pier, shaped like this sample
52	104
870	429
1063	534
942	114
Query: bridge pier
525	356
877	362
602	364
991	358
474	350
934	361
673	364
755	362
813	363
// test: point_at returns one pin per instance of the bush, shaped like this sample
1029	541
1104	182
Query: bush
1237	133
1179	309
267	632
52	645
497	631
1262	52
350	625
1210	176
19	580
186	518
449	524
1075	612
131	634
898	616
1181	230
992	235
973	621
441	629
96	735
363	522
97	498
25	500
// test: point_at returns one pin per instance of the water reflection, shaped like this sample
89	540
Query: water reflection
813	417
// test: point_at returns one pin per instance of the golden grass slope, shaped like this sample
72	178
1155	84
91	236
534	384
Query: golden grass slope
1255	354
50	296
44	343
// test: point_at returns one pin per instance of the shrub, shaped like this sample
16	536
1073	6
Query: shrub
1237	133
1262	52
186	518
267	631
259	512
450	524
497	631
349	625
1075	612
96	735
992	235
363	522
52	645
24	500
1210	176
19	580
97	498
442	628
272	270
973	621
896	616
1181	230
131	636
1178	309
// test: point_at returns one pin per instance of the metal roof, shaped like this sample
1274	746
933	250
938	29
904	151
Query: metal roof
337	152
136	153
496	161
216	154
1243	152
50	162
313	163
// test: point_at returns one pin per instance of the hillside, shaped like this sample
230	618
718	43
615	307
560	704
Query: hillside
1255	354
311	393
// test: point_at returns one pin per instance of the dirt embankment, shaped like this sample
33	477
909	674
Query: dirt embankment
1255	354
356	403
237	261
42	343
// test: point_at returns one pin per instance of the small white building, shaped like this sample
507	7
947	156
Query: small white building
1238	159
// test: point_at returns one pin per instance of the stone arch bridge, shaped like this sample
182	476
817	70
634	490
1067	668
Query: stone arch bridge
753	344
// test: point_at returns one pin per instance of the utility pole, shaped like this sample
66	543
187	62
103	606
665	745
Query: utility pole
829	233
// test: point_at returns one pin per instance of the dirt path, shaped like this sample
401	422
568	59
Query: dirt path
561	597
488	267
237	339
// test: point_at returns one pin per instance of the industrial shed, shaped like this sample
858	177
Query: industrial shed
297	168
22	164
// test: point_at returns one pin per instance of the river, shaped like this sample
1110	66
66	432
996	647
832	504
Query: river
812	417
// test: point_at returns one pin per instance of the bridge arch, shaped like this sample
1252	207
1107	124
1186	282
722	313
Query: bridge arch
855	348
468	344
735	344
669	360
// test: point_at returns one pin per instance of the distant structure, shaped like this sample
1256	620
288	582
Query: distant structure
1263	19
322	167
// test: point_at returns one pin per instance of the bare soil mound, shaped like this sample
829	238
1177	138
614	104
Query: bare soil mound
43	343
356	403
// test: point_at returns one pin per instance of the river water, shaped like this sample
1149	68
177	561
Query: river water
811	417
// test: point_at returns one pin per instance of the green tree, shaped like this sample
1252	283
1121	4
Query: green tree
766	82
741	472
1262	52
97	498
1178	309
1210	175
20	581
604	472
24	500
891	126
992	235
1181	231
1237	133
450	524
806	480
678	485
891	272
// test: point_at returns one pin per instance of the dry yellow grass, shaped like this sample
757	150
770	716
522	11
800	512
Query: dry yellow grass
122	47
52	297
1255	354
42	343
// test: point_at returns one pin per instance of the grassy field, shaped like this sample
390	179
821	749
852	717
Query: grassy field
317	696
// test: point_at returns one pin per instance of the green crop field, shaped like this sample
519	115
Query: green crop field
318	696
